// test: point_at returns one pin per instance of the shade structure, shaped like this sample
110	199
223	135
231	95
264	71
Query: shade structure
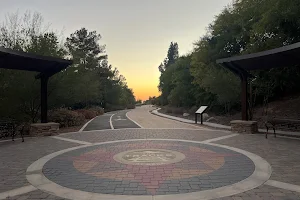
10	59
241	65
45	65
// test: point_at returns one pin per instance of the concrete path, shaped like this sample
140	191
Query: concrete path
111	120
120	120
99	123
142	116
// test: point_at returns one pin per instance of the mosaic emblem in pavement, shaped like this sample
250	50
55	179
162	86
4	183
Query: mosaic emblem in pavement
148	168
149	157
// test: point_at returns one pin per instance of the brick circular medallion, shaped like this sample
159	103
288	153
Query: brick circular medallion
148	167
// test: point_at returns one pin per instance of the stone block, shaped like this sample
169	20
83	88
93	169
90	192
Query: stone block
44	129
212	120
186	114
205	116
240	126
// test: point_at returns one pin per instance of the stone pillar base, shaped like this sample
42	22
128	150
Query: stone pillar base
240	126
44	129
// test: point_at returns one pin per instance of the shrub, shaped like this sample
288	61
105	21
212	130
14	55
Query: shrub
66	118
131	106
98	110
193	109
168	109
177	110
110	107
87	113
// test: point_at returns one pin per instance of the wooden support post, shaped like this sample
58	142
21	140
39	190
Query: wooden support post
196	115
44	98
244	99
201	118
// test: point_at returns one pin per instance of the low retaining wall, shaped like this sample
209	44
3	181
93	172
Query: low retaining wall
240	126
44	129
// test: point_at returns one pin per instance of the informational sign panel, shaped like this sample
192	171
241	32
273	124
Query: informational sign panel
201	109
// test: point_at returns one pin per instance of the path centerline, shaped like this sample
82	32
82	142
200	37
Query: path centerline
110	121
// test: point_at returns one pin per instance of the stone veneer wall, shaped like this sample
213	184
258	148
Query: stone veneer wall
240	126
44	129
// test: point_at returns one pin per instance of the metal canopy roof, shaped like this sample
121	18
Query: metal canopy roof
279	57
10	59
47	66
240	65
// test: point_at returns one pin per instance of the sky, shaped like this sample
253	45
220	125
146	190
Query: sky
137	33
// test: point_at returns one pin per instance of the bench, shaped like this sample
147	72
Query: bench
9	128
287	124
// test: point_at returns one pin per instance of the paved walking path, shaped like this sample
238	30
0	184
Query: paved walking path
111	120
142	116
137	155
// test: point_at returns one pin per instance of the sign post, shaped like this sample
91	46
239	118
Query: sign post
200	111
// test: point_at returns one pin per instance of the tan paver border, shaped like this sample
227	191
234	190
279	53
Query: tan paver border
261	174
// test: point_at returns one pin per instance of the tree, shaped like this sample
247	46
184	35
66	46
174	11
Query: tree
85	50
165	80
17	31
106	86
161	68
172	54
182	93
247	26
90	81
79	79
20	97
139	101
